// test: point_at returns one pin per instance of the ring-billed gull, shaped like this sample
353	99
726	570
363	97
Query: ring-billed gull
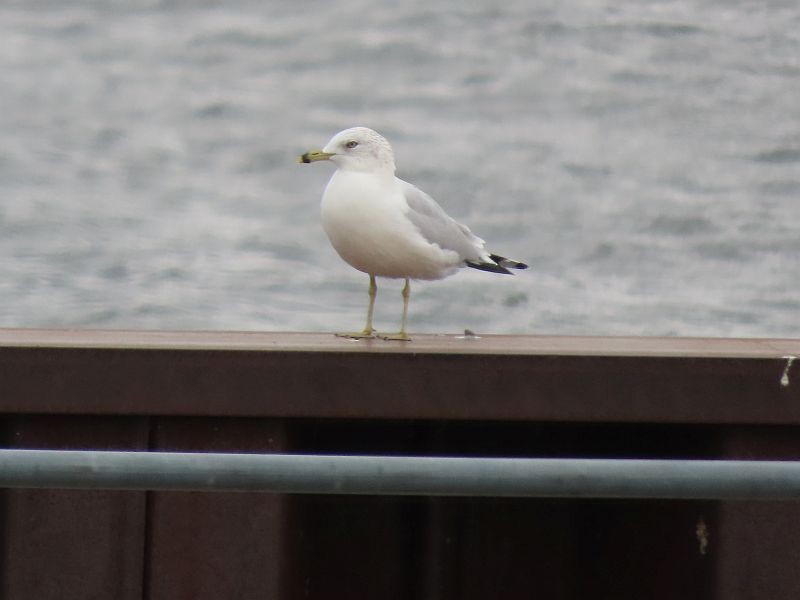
386	227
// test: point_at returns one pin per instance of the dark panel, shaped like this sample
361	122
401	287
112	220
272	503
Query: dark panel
65	544
212	546
637	549
483	548
343	547
463	549
504	439
354	547
510	549
756	544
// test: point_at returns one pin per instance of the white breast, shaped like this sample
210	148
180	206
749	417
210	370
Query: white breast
364	217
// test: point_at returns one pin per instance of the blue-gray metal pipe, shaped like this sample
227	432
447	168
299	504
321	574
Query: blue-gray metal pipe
383	475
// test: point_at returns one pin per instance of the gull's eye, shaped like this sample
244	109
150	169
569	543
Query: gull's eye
351	144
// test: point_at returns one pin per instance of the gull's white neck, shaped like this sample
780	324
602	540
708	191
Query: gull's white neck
370	164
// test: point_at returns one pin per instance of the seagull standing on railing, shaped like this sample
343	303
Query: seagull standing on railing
386	227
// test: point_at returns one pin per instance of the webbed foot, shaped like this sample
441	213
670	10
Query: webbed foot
366	334
400	336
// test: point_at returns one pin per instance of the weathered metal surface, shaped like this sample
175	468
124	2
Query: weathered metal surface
421	343
434	377
438	395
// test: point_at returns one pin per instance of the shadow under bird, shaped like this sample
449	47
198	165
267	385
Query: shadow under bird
387	227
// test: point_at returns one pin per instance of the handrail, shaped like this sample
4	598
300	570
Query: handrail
395	475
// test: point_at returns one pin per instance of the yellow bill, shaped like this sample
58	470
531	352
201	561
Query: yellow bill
314	155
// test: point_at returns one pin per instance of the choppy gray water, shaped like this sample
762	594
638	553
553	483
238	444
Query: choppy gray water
643	157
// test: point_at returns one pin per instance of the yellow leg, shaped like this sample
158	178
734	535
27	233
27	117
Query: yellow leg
368	331
401	335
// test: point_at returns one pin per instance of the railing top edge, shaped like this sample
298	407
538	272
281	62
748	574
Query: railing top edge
421	343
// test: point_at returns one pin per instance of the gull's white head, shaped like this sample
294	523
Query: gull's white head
356	149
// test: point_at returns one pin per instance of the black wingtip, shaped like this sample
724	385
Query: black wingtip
500	264
490	267
507	262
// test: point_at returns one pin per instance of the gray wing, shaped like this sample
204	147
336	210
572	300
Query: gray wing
438	227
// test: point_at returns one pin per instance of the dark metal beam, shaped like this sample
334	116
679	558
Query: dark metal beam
435	377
